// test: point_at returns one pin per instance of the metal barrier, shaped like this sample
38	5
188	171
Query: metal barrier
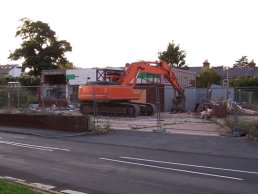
242	103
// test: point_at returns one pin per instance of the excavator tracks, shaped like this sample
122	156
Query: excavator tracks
127	109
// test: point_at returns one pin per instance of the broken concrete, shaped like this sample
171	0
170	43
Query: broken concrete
180	123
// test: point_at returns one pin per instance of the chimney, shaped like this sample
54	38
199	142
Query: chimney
206	64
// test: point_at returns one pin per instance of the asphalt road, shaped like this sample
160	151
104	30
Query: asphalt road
97	165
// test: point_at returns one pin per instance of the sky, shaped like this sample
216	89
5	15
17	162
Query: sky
115	32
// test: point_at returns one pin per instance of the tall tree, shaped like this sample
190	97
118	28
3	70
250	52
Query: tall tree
242	62
252	64
206	78
174	56
40	48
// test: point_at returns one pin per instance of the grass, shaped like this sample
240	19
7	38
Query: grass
12	188
100	129
250	125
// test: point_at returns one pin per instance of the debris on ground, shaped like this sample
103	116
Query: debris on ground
239	131
35	108
210	109
206	113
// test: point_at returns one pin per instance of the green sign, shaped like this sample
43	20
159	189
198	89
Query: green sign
146	75
70	76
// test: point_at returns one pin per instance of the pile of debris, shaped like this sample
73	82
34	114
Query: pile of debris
209	110
71	108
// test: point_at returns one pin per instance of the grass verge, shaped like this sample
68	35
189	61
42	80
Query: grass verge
13	188
250	125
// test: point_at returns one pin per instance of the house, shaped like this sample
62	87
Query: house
11	70
235	72
227	73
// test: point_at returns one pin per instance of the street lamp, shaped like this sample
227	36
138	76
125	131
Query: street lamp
226	68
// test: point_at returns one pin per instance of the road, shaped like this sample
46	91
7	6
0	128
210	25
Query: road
82	165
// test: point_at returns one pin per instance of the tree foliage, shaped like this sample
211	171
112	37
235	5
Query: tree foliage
206	78
174	56
40	48
244	82
66	66
4	79
29	80
244	62
24	79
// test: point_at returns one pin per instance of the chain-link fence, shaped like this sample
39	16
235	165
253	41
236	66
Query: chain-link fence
64	98
18	98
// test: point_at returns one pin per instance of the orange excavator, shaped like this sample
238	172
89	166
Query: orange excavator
115	98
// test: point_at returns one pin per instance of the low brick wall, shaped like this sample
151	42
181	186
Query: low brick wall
53	122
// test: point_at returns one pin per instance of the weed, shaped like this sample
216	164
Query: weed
250	125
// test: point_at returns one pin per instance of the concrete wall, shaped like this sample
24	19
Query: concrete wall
169	93
220	93
81	76
191	99
197	95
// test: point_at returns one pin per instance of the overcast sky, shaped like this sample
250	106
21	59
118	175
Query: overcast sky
114	32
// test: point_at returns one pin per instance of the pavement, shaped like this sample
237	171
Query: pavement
224	144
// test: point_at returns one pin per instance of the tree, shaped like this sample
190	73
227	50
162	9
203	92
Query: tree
66	66
243	62
252	64
174	56
40	48
244	82
29	80
206	78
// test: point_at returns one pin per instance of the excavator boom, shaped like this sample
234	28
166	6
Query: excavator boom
158	68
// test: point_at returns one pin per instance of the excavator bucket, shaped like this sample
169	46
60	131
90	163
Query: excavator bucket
178	104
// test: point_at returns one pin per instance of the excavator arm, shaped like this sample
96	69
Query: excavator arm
158	68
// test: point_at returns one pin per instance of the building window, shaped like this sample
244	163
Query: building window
225	81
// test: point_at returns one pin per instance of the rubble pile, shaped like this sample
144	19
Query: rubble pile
71	109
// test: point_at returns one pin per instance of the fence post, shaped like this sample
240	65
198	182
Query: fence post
159	129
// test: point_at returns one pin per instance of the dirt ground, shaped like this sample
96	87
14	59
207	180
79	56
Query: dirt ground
180	123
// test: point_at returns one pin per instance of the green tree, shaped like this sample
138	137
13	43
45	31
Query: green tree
244	62
206	78
252	64
244	82
40	48
174	56
29	80
66	66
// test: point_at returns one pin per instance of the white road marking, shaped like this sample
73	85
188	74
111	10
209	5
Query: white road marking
191	165
71	192
33	146
42	186
172	169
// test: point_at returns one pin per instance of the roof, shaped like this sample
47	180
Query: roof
5	69
237	71
232	72
198	70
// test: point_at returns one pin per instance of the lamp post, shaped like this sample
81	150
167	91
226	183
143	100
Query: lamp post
226	69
